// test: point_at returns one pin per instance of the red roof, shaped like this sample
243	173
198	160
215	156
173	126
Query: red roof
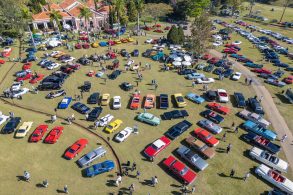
45	15
53	6
104	9
64	4
75	11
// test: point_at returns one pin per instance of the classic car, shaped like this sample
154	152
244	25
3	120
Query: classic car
275	82
240	100
223	95
3	118
176	130
105	99
88	158
211	95
205	80
211	115
64	103
150	101
116	102
38	133
93	98
194	75
75	148
11	125
148	118
126	86
258	129
113	126
156	147
255	106
135	101
195	98
254	117
175	114
55	94
105	120
179	99
94	113
99	168
209	125
27	66
81	108
236	76
218	108
23	129
200	147
54	135
124	134
163	101
193	158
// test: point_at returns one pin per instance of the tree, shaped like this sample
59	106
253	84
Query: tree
36	5
200	34
139	8
119	10
180	35
96	5
132	11
285	7
172	35
251	3
235	4
55	17
196	7
85	13
157	10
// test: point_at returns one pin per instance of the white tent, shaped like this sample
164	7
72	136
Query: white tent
178	59
176	63
186	63
187	58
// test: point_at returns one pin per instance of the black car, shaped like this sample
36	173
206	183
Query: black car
147	53
84	61
11	125
81	108
95	113
178	129
211	115
175	114
228	73
49	86
163	101
219	71
209	68
126	86
255	106
114	74
124	53
94	98
86	86
186	71
211	96
240	100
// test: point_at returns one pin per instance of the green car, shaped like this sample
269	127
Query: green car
149	118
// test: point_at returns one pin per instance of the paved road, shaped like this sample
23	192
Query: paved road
270	108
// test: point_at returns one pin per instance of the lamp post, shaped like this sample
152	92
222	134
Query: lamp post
285	7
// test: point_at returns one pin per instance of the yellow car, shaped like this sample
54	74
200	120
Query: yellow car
59	54
117	41
95	44
130	39
179	100
23	129
105	99
113	126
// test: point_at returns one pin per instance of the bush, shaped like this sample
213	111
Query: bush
10	33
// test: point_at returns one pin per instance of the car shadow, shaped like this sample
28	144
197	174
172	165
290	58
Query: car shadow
146	182
282	98
111	183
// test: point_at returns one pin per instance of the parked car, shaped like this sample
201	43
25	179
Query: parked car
81	108
176	130
94	114
11	125
88	158
126	86
258	129
113	126
55	94
254	117
148	118
23	129
3	118
223	95
124	134
105	120
218	108
205	80
135	101
200	147
185	175
150	101
269	159
105	99
193	158
114	74
240	100
206	137
175	114
64	103
54	135
195	98
75	148
38	133
262	142
116	102
194	75
275	178
211	95
211	115
93	98
163	101
275	82
179	99
99	168
209	125
255	106
236	76
156	147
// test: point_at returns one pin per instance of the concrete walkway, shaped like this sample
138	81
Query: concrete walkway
270	108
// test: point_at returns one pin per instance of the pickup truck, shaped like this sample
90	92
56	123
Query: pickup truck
200	147
164	101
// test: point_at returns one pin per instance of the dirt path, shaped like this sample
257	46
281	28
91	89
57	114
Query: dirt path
278	122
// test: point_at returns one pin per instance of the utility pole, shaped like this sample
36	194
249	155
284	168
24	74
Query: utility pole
285	7
252	3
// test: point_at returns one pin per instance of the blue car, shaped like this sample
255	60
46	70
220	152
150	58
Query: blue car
253	65
178	129
195	75
135	53
64	103
99	168
195	98
81	108
258	129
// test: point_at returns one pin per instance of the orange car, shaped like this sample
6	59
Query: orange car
150	101
59	55
124	40
135	102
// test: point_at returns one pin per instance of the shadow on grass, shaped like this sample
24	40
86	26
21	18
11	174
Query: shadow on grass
60	191
176	193
220	150
39	185
111	183
147	182
282	98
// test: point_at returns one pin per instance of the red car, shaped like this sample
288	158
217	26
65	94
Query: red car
147	28
219	108
110	42
74	66
180	170
213	60
230	50
38	134
86	45
36	78
243	59
206	137
230	45
76	148
167	28
288	80
135	102
26	77
206	56
2	61
27	66
54	135
78	46
156	147
83	38
158	31
262	70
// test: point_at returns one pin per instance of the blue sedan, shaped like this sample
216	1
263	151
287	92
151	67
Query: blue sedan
195	75
258	129
64	103
81	108
195	98
99	168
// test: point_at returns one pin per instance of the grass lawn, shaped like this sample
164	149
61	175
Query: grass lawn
44	162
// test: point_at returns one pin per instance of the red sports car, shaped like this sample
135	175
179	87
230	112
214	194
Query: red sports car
288	80
219	108
262	70
206	137
38	134
230	45
135	102
78	46
2	61
158	31
206	56
36	78
156	147
167	28
213	60
27	66
76	148
54	135
180	170
230	50
26	77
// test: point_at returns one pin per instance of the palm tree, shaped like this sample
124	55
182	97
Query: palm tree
86	14
55	17
119	6
139	7
96	4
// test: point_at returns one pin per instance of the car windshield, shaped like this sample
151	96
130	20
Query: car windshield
71	150
180	99
274	159
110	127
21	130
120	135
184	171
208	137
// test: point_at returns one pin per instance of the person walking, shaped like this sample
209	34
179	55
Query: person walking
45	183
86	116
236	130
232	173
118	180
133	166
156	86
69	120
53	118
228	149
66	189
246	81
193	84
73	117
246	176
193	189
137	175
283	138
11	114
131	188
224	137
250	81
261	98
26	176
136	83
233	124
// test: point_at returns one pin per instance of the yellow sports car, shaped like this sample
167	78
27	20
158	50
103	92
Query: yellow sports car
130	39
105	99
23	129
95	44
113	126
179	100
117	41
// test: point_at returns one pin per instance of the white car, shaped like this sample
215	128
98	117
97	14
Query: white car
269	159
7	50
54	43
3	118
217	37
53	66
236	76
205	80
16	86
68	60
53	53
223	95
17	94
105	120
254	118
217	43
275	178
116	102
149	41
23	129
122	135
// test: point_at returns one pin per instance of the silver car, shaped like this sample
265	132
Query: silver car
254	118
209	125
91	156
192	158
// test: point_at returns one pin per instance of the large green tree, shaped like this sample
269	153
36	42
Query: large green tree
131	11
85	13
157	10
55	17
235	5
196	7
139	8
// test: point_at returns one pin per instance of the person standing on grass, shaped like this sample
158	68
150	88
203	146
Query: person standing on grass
236	130
156	86
283	138
233	124
45	183
246	176
131	188
193	189
66	189
193	84
228	149
232	173
133	166
26	176
250	81
53	118
224	137
118	180
137	175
